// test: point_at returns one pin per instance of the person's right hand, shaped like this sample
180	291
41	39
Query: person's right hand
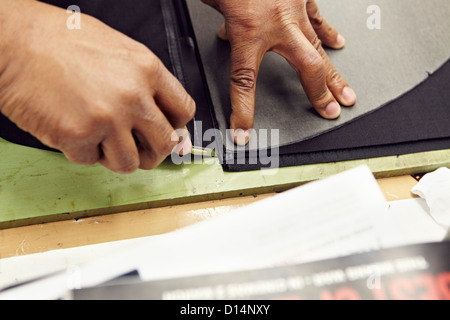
89	93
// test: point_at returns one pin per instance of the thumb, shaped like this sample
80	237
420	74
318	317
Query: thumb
244	67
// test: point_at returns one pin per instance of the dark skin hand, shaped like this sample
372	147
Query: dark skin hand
93	92
90	92
294	29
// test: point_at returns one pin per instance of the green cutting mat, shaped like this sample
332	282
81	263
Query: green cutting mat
39	186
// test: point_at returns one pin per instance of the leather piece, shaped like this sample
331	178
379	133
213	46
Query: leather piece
416	122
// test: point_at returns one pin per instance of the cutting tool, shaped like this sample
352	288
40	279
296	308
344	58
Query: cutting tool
203	152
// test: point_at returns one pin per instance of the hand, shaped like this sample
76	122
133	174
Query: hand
294	29
91	93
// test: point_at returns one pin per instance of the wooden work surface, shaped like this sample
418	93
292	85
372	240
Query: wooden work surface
48	203
127	225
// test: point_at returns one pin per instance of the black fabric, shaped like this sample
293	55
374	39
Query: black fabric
330	156
421	114
142	20
416	122
188	67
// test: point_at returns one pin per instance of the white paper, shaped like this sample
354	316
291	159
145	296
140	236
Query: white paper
340	215
20	269
434	187
323	219
411	218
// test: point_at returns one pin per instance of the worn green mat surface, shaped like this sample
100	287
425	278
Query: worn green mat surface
39	186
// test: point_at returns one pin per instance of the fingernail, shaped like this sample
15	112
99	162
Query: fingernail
349	95
241	137
333	110
340	41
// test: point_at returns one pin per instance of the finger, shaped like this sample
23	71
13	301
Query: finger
326	33
222	33
155	135
120	153
340	89
88	154
244	66
311	69
79	145
173	100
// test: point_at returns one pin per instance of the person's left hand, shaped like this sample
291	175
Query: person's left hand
294	29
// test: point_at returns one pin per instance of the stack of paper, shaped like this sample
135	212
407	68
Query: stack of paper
340	215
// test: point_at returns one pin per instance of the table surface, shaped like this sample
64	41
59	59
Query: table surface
141	223
39	186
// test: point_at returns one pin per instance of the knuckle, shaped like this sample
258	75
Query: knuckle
72	157
290	30
244	78
101	118
71	134
149	165
168	147
97	118
334	78
128	164
191	108
52	140
316	19
187	110
164	144
149	161
319	97
316	43
290	34
148	115
144	60
81	158
244	19
88	159
151	64
314	63
314	14
127	93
